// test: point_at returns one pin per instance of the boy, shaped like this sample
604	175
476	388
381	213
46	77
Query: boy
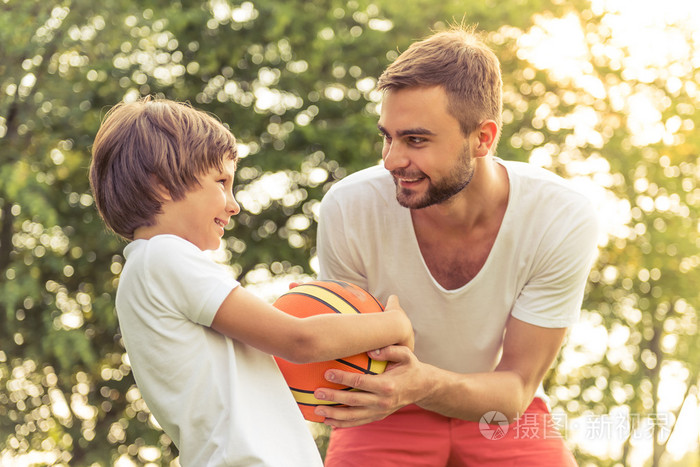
162	175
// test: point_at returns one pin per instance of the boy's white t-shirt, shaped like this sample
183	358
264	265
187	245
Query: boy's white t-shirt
222	402
536	270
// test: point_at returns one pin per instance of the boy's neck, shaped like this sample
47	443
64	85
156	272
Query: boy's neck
149	231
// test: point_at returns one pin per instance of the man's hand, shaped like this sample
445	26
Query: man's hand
509	389
404	382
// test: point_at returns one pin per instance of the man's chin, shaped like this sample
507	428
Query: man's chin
411	201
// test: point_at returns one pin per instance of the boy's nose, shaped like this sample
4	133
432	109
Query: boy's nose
232	206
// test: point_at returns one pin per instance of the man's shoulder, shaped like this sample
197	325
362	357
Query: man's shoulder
543	183
370	183
368	176
552	200
527	171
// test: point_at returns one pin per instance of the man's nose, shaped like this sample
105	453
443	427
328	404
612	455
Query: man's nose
393	157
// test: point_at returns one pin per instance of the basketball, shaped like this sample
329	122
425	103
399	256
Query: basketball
313	298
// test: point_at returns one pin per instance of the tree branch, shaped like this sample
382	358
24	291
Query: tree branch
6	236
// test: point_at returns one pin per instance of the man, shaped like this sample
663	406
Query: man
488	257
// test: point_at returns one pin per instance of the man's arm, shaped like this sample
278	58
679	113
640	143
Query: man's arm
528	352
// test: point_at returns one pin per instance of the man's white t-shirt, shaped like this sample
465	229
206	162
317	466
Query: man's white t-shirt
536	270
222	402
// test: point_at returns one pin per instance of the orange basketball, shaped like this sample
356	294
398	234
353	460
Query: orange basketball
313	298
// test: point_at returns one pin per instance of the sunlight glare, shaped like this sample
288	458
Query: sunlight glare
645	42
653	51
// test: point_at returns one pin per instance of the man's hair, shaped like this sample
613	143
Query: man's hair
460	62
148	146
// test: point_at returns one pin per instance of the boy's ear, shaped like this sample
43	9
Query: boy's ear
163	192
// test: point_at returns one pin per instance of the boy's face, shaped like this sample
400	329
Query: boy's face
200	217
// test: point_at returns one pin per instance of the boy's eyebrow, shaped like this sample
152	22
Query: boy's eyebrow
408	131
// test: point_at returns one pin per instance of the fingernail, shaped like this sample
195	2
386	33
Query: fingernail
320	396
376	352
330	376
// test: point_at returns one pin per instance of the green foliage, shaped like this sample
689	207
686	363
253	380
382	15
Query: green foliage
643	293
295	82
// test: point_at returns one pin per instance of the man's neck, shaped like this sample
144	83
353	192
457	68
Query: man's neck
456	238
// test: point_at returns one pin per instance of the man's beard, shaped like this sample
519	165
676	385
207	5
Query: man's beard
439	191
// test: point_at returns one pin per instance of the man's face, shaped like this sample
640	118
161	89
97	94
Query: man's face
424	147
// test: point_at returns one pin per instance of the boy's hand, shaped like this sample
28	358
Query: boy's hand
392	306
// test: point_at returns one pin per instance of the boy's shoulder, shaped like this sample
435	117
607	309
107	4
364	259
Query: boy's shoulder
160	245
163	254
172	276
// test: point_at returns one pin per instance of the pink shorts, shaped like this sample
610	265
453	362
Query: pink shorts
416	437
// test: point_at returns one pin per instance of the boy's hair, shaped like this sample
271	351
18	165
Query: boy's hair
148	146
460	62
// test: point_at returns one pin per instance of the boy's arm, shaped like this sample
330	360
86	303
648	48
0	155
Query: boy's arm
247	318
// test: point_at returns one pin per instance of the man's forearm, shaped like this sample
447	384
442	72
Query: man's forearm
470	396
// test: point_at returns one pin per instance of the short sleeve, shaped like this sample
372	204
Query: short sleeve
336	258
186	279
553	294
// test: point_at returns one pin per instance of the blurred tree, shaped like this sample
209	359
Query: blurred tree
626	121
295	81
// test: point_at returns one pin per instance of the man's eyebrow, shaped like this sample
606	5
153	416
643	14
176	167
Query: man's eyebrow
408	131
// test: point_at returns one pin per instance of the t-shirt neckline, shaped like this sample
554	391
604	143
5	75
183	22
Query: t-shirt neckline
497	244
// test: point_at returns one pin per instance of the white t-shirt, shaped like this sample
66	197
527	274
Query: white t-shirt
222	402
536	270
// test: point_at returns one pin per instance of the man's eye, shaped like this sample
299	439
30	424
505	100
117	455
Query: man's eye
416	140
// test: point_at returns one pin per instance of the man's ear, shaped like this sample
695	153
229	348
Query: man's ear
486	134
